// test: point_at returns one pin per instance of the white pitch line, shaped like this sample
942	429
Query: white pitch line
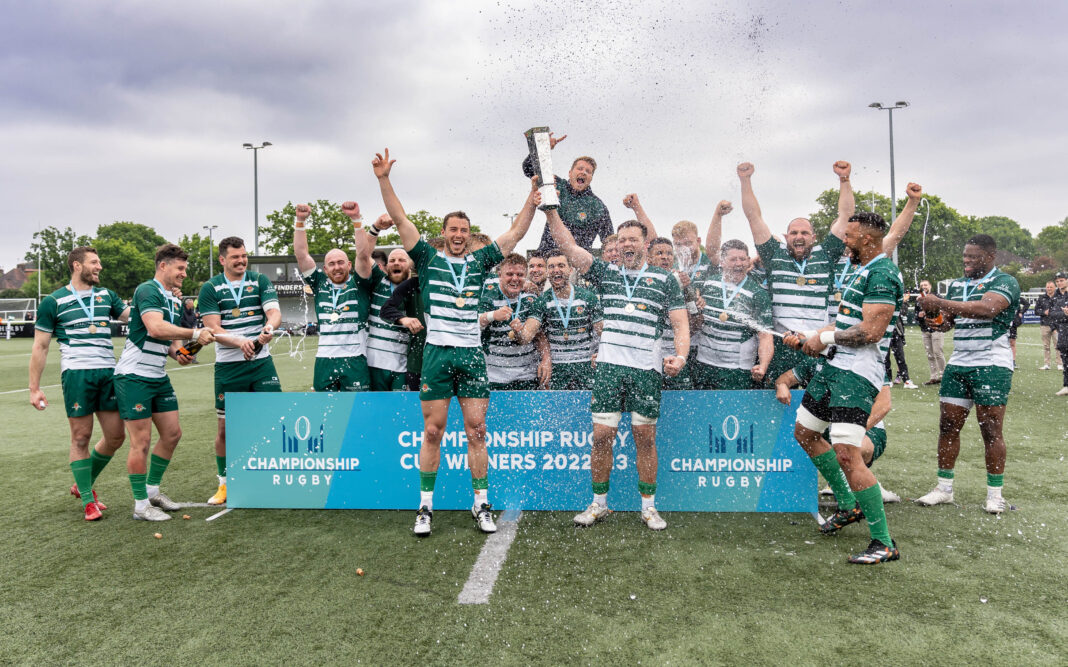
484	573
219	514
171	370
184	505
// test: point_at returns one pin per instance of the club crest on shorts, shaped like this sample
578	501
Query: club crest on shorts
139	408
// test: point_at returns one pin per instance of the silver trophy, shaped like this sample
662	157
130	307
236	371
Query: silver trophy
538	143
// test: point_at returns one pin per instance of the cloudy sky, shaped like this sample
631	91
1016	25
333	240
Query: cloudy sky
137	110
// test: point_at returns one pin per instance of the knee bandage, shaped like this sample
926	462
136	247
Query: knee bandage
810	421
610	419
641	420
847	434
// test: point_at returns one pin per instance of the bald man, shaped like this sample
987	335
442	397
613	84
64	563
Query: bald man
342	302
387	344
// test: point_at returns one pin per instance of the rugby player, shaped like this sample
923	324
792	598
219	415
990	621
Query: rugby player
511	364
241	308
450	285
570	316
144	392
798	270
638	301
342	303
387	342
979	372
79	316
842	393
662	255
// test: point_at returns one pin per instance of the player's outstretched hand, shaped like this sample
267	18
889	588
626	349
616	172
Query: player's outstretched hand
914	191
843	168
382	165
745	170
553	140
302	211
351	209
631	201
383	222
723	208
205	336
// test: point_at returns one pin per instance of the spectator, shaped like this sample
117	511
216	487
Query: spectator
1059	318
897	347
933	329
1017	320
1049	333
380	258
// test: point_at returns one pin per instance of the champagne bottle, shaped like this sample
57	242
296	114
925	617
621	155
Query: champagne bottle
190	349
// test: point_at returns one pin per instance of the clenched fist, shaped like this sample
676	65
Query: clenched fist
746	169
303	211
843	168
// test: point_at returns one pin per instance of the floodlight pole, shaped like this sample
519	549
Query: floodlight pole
256	193
211	265
893	185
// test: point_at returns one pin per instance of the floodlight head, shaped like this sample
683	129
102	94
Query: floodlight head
246	145
873	105
267	143
901	104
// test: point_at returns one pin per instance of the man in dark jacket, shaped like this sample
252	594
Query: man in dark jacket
1059	319
583	213
1049	333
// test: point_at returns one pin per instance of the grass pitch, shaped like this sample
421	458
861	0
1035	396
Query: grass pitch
275	586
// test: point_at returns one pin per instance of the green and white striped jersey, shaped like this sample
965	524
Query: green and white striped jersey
342	312
387	343
979	342
242	307
67	315
799	290
507	360
879	281
732	343
144	355
574	341
634	322
451	289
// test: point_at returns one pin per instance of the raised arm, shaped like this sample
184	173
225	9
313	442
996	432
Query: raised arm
300	240
631	202
714	237
508	240
750	207
382	165
365	243
579	257
847	204
900	227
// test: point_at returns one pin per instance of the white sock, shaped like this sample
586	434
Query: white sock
140	505
993	492
481	497
647	502
222	480
601	499
153	491
945	484
426	499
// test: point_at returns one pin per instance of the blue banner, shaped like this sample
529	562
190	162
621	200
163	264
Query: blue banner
718	451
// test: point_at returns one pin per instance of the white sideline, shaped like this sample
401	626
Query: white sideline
50	386
484	573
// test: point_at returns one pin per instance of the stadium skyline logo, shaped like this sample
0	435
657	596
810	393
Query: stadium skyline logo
731	430
302	434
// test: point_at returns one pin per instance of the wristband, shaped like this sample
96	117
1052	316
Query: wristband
196	333
299	224
810	334
827	337
372	230
268	330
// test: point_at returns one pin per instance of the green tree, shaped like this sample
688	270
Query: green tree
1008	234
125	266
142	237
1053	241
201	259
54	245
428	225
327	228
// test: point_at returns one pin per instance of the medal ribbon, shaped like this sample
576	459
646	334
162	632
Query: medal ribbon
565	319
335	294
518	304
862	269
88	310
840	279
239	294
627	286
982	280
723	289
457	281
166	297
801	266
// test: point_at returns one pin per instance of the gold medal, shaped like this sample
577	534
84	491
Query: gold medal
566	336
92	328
723	317
334	317
236	312
460	302
511	335
837	296
800	280
629	308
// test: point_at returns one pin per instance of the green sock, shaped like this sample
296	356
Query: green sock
600	488
480	483
100	461
426	481
137	483
945	473
647	488
220	465
827	464
156	469
871	502
83	477
991	480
